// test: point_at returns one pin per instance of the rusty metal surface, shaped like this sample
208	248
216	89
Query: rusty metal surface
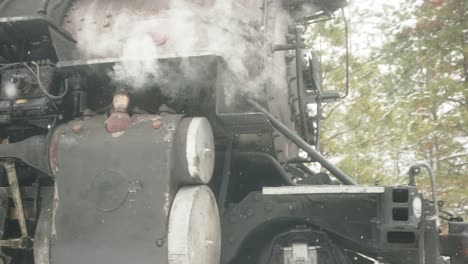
114	192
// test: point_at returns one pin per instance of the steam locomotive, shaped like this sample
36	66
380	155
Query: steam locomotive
180	132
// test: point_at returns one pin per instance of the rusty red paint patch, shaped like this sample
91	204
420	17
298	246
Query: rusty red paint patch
117	122
157	124
77	128
158	38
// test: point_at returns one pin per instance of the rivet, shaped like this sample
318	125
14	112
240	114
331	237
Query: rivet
292	207
77	128
157	124
250	212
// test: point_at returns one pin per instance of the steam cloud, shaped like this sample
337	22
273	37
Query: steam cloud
183	29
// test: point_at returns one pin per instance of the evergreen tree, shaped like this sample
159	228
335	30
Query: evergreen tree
409	93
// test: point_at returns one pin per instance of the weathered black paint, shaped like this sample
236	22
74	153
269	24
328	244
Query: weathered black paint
114	192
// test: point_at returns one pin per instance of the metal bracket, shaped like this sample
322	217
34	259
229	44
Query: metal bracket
300	253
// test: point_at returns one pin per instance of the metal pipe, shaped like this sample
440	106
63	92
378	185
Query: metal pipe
299	82
347	54
299	160
273	162
318	101
280	47
340	175
283	47
225	177
4	3
319	115
44	8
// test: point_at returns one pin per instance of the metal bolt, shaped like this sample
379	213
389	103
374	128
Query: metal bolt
207	153
250	212
160	242
77	128
257	197
292	207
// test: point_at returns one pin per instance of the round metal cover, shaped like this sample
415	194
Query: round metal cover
194	228
109	190
200	150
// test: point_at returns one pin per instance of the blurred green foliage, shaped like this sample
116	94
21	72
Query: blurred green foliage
409	94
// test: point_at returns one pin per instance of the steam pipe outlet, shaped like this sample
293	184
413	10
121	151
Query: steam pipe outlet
119	120
340	175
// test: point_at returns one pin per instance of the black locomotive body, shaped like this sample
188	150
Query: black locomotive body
170	131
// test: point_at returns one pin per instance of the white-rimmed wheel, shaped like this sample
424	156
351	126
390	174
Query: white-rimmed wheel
194	235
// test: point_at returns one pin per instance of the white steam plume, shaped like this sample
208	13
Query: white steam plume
184	28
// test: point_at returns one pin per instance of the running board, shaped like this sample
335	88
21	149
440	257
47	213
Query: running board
323	189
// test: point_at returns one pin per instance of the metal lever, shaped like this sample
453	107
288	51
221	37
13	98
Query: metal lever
24	242
16	195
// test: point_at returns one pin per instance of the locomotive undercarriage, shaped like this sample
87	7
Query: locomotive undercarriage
96	171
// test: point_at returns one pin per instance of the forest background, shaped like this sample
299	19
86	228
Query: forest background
408	99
